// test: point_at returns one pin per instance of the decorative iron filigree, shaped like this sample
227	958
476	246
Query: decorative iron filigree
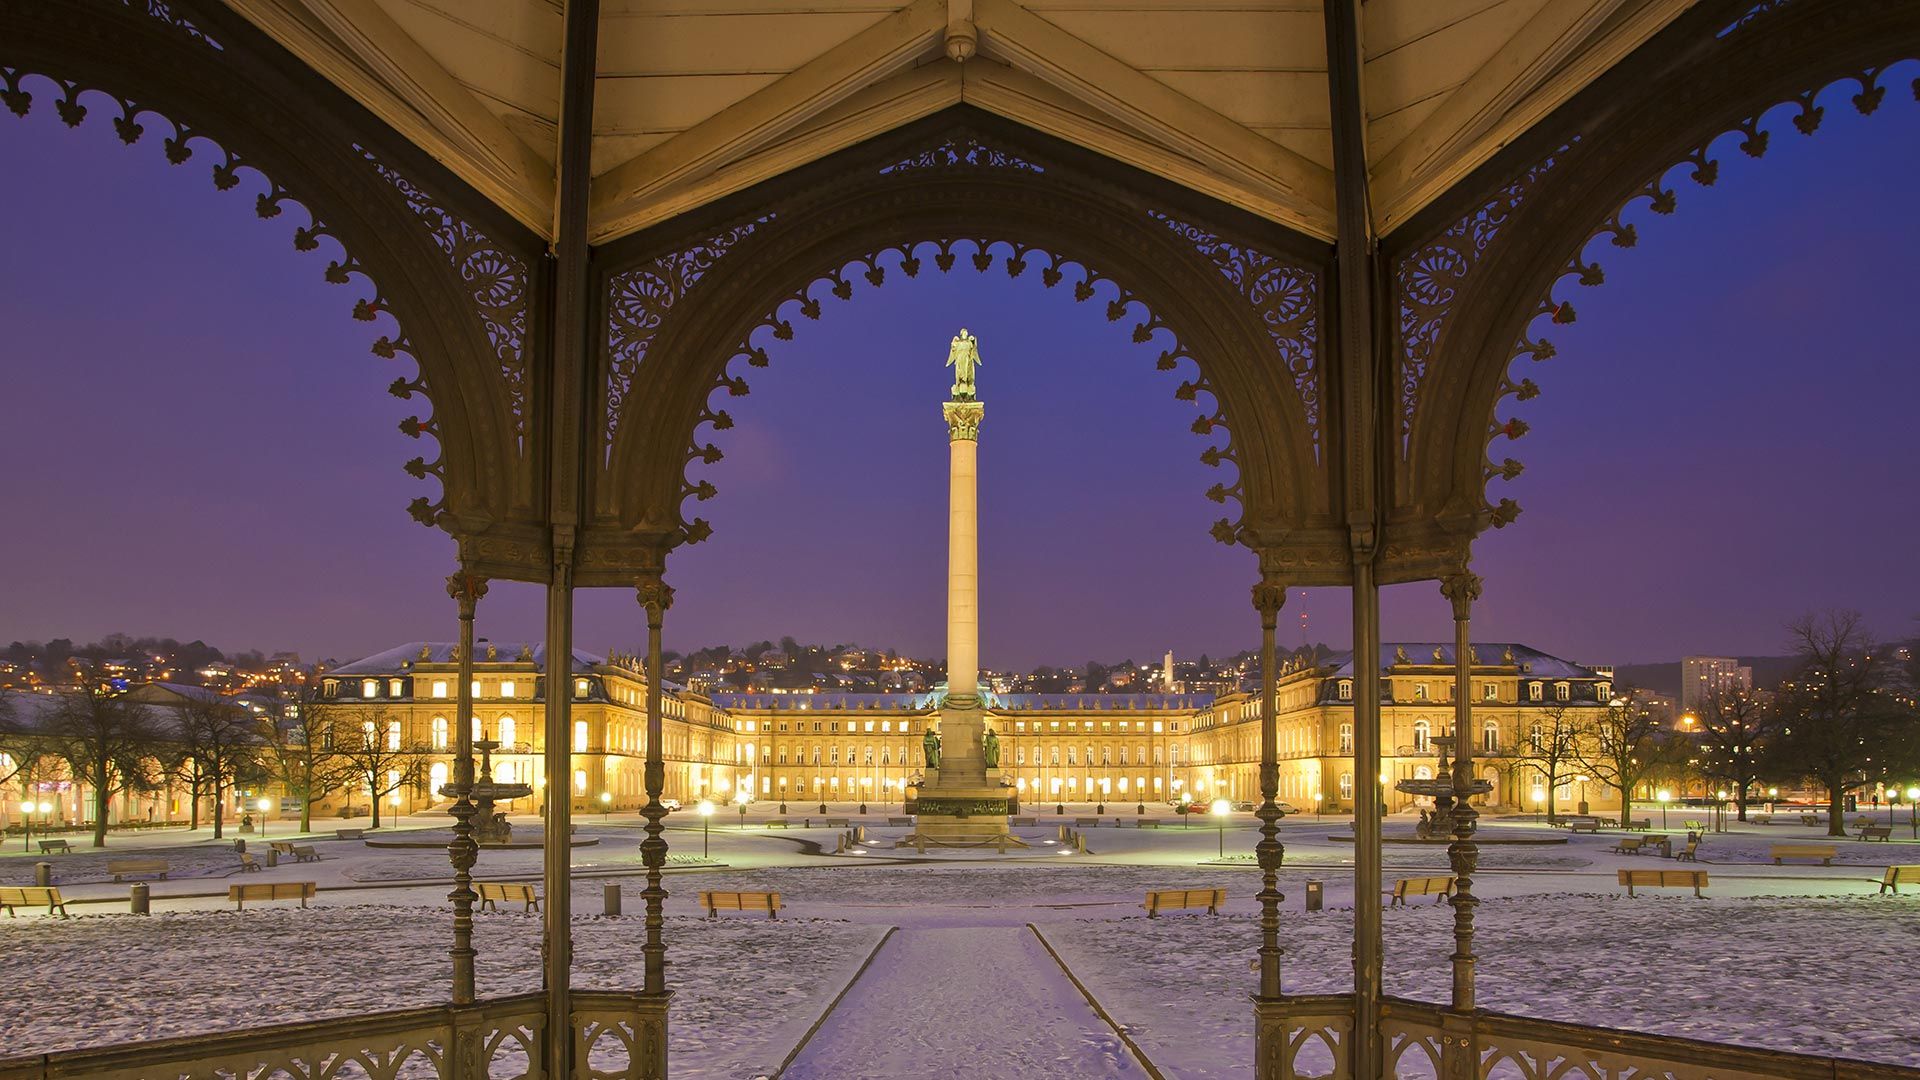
496	278
1286	298
163	11
909	260
131	126
1430	278
1704	170
1758	10
638	301
963	152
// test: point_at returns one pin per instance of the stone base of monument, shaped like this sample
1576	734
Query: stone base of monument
960	814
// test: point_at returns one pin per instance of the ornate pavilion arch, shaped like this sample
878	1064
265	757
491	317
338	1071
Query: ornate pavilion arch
459	277
1474	278
1242	299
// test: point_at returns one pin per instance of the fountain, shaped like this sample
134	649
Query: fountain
490	827
1437	824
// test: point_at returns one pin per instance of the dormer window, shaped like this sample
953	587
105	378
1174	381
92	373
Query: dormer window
1604	691
580	688
439	688
394	688
1562	692
1491	692
507	688
1419	691
1346	690
1533	691
369	688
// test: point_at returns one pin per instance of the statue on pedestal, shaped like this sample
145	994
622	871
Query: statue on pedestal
963	356
992	750
930	745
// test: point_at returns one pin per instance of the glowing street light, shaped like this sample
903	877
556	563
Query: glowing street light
1221	808
740	799
1913	808
1186	808
706	820
606	805
264	806
1665	797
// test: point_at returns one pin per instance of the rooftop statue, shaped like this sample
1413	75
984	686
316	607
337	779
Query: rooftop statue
963	356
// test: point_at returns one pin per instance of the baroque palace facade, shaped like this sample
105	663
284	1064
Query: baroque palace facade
1080	748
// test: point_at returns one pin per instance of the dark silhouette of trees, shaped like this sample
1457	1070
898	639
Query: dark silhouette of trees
1736	734
372	748
1621	745
1840	726
108	745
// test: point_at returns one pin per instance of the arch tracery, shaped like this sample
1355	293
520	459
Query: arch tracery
686	318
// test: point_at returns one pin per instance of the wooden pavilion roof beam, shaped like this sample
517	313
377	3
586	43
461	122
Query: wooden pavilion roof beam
358	46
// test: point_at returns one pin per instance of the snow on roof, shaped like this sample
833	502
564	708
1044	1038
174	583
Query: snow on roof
403	658
1530	660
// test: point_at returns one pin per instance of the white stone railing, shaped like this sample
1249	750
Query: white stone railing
617	1036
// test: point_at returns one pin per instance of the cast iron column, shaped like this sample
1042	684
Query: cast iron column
1270	1028
466	590
1463	589
656	596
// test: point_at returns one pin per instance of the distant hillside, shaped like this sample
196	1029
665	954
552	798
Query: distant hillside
1768	672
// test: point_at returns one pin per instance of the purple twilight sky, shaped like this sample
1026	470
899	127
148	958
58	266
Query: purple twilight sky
199	444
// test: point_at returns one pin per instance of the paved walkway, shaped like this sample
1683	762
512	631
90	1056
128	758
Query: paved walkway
968	1003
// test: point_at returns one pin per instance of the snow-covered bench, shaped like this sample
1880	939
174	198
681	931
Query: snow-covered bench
248	862
1159	900
838	823
492	892
271	890
1628	845
12	896
778	823
303	853
1085	822
1439	888
1591	825
1024	822
1639	824
1142	822
350	834
121	867
1823	852
716	902
1670	879
1897	876
48	847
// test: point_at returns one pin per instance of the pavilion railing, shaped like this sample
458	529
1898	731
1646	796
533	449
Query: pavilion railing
1307	1037
618	1036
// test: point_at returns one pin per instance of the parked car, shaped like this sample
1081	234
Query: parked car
670	804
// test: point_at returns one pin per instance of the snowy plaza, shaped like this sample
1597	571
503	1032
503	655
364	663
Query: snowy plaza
816	993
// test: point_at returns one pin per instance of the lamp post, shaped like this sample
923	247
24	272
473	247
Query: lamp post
1893	796
1720	811
706	823
606	804
1773	795
27	810
1664	795
1913	808
264	805
740	799
1186	808
1221	808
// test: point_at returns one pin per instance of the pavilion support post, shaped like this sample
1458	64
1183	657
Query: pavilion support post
1462	590
557	942
1368	810
466	590
656	597
1271	1031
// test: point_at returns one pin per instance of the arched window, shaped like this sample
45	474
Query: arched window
1422	736
1562	692
393	734
1346	690
579	736
1533	691
439	737
506	731
369	688
1537	737
1346	738
436	778
1490	737
1346	787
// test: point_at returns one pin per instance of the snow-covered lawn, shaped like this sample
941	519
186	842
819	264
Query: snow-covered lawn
745	989
1759	972
85	865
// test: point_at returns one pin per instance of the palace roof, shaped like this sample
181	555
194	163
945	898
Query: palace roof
404	658
1491	654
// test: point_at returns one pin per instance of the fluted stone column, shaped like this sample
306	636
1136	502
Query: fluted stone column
963	551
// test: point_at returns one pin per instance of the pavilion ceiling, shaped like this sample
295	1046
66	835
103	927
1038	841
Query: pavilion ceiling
696	99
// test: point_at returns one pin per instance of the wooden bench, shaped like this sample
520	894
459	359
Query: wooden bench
284	847
1583	826
1823	852
900	821
837	823
716	902
1159	900
120	867
1024	822
1639	824
303	853
1695	826
1670	879
1691	852
1143	822
1628	845
1437	887
48	847
779	823
1876	832
1897	876
247	862
491	892
271	890
350	834
1762	819
12	896
1085	822
1811	819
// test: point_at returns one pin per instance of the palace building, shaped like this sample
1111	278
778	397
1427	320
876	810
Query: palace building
1055	748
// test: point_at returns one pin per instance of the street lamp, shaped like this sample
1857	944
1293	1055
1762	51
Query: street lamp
1221	808
740	799
27	810
706	822
1664	795
1913	808
1720	811
264	805
1773	794
1186	806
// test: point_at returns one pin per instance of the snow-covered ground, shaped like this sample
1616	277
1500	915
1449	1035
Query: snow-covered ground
1765	972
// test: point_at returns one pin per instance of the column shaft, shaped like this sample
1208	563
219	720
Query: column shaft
466	590
1369	790
1463	854
963	568
656	596
557	942
1268	597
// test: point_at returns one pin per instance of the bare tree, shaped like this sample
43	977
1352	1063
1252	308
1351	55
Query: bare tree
108	744
372	747
224	742
20	746
1620	745
1840	727
1737	729
300	753
1548	748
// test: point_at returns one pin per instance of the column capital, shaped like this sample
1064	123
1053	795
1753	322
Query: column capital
1462	589
963	420
467	590
1269	596
656	596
